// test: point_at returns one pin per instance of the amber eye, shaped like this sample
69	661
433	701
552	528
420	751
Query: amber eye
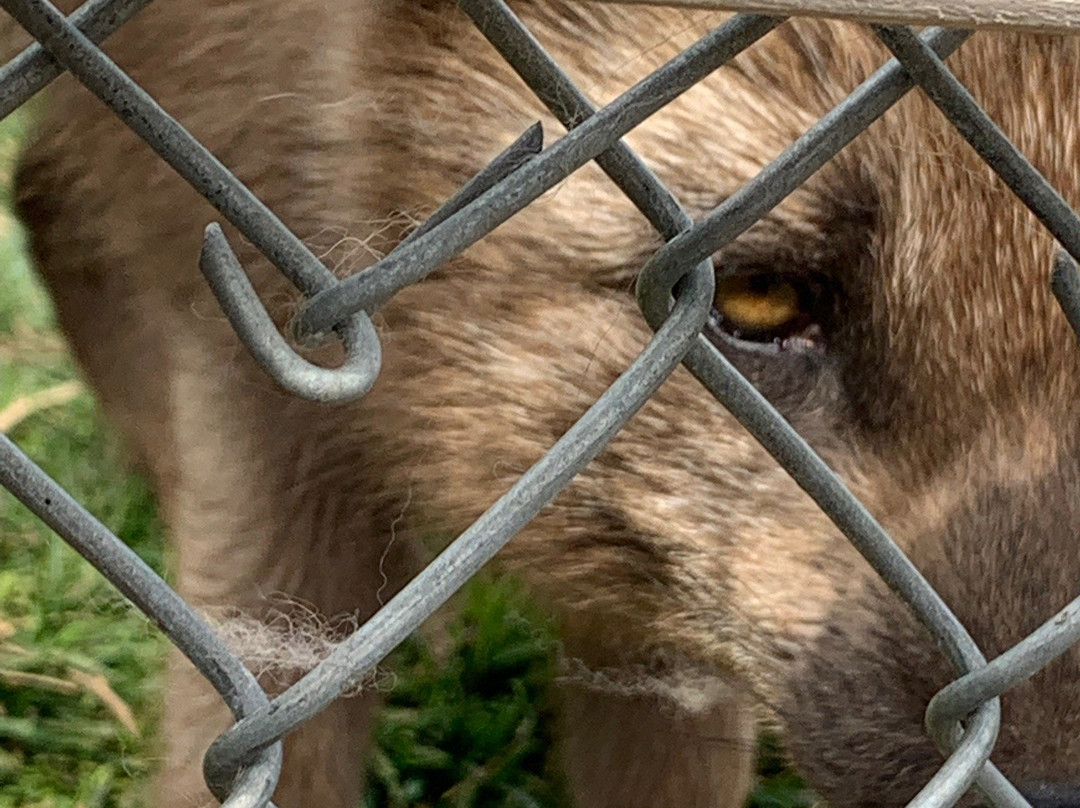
770	307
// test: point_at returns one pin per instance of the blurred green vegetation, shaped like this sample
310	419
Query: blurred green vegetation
472	729
79	669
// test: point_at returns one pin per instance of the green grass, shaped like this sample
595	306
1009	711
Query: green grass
472	730
467	726
75	659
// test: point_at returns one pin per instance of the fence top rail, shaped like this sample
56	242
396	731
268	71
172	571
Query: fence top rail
1047	16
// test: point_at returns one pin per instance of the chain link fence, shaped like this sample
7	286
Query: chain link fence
675	292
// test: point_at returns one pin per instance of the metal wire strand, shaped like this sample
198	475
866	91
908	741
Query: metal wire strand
1065	282
35	68
242	307
964	112
515	156
363	353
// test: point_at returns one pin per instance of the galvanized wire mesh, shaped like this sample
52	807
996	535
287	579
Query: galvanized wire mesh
675	292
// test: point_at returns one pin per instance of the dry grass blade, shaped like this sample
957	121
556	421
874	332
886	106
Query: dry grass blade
22	408
40	681
99	686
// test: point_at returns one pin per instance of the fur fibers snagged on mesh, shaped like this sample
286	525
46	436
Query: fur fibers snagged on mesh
292	638
693	691
288	641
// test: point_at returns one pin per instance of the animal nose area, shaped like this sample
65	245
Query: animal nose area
1006	562
1049	795
1052	795
999	544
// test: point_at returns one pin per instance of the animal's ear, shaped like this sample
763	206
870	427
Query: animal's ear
1045	16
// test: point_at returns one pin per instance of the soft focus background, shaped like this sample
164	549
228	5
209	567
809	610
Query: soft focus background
80	669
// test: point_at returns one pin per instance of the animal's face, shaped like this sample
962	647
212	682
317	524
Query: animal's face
896	309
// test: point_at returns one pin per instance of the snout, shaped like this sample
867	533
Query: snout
1049	795
1005	562
1052	795
1001	550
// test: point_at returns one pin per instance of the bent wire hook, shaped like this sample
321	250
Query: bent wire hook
363	353
73	50
249	318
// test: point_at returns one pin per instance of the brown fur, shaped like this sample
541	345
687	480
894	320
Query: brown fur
947	398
